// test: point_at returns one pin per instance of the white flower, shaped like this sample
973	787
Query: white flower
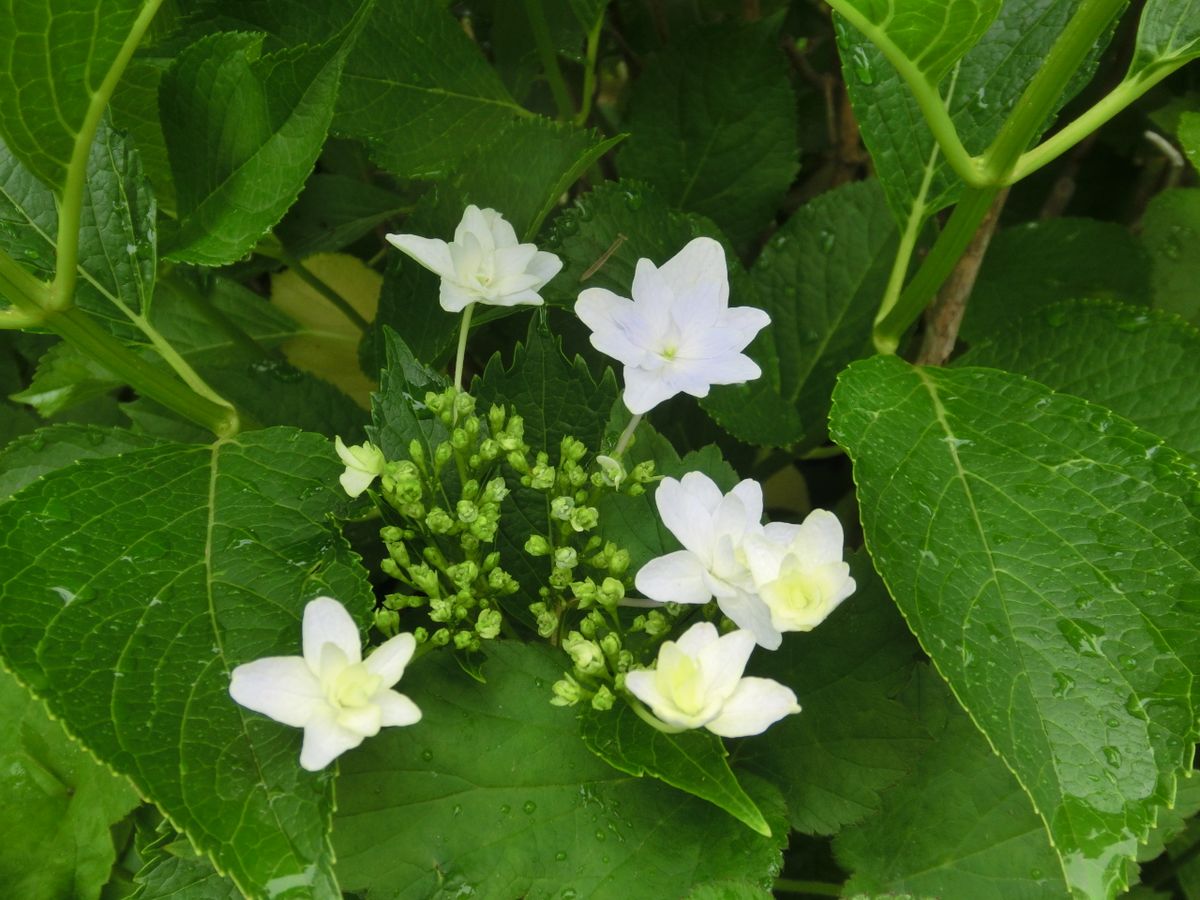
364	463
712	528
678	333
698	683
330	691
798	570
483	264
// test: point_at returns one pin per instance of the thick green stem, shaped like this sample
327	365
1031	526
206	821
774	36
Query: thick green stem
589	72
545	47
997	165
79	329
70	208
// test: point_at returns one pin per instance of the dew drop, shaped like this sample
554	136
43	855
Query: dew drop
427	755
1112	756
505	809
561	856
600	835
861	63
1063	683
530	807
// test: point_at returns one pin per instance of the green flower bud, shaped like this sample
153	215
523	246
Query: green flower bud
484	529
464	404
566	558
421	634
567	692
389	568
624	664
463	574
467	511
390	534
398	553
635	490
440	638
572	449
459	439
585	654
643	472
442	455
537	545
585	592
562	507
656	623
495	491
438	521
471	426
470	490
416	452
441	609
611	473
612	592
541	477
403	601
495	418
611	645
519	463
426	579
491	561
547	622
435	402
588	628
603	699
487	626
618	563
435	557
387	621
513	435
576	476
489	449
501	582
585	518
560	579
465	640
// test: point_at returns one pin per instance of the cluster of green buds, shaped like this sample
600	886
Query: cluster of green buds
446	506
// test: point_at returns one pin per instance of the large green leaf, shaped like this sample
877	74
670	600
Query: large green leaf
134	108
30	457
1141	364
58	797
693	761
713	122
243	129
492	792
1171	235
117	235
958	826
1044	551
334	210
54	59
1168	35
196	559
852	739
1040	263
820	278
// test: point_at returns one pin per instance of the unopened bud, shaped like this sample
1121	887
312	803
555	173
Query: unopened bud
537	545
487	626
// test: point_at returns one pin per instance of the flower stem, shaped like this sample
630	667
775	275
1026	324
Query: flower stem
589	72
461	356
650	719
627	435
545	48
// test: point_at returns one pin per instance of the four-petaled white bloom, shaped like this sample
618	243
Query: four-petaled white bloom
678	333
336	696
798	570
364	463
483	264
712	528
698	682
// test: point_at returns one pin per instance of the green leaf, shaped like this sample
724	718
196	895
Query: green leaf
493	792
173	871
693	761
333	211
398	409
1171	235
959	826
1189	137
526	167
30	457
852	739
419	92
55	56
243	130
930	35
204	560
1141	364
57	799
1168	36
713	123
728	890
820	278
1044	552
134	108
117	250
1038	264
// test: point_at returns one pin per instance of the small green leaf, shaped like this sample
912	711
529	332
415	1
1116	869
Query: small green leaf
1189	137
493	793
57	798
54	59
1168	36
820	278
1141	364
117	237
852	738
693	761
958	826
398	408
1171	235
713	122
205	559
1044	551
30	457
1041	263
243	129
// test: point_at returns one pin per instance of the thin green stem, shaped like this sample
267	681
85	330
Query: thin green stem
26	293
1067	137
627	435
649	718
798	886
460	357
933	106
549	59
589	72
315	282
70	208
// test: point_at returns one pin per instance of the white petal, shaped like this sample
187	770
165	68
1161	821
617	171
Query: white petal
756	704
431	253
363	720
503	234
355	481
820	538
281	687
325	741
723	661
516	298
732	368
643	684
614	323
544	265
699	636
700	262
389	658
476	225
686	515
703	489
397	709
454	298
750	613
675	578
764	557
343	452
653	296
781	533
645	390
750	493
512	261
327	622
